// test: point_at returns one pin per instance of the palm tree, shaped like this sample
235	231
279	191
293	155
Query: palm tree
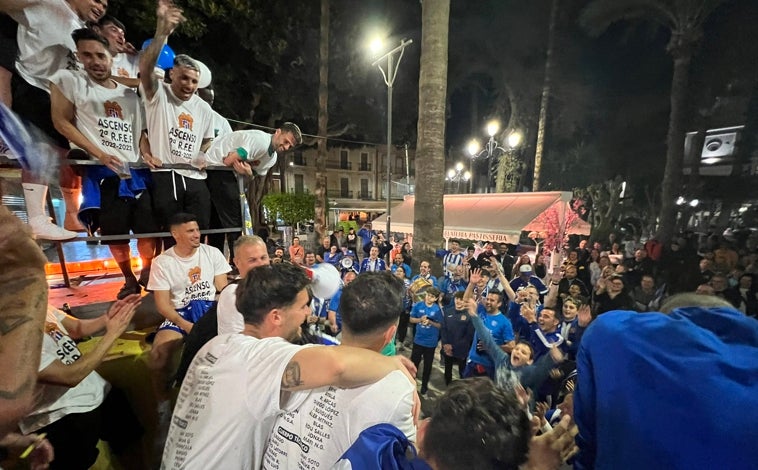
685	19
545	100
323	115
430	147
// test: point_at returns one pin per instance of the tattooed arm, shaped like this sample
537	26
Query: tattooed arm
341	366
23	306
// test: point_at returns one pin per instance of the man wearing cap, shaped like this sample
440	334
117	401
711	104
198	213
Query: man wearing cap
526	277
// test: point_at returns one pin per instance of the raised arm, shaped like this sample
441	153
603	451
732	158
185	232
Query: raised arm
484	335
503	280
23	307
168	18
473	280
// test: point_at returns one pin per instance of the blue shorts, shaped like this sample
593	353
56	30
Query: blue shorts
192	312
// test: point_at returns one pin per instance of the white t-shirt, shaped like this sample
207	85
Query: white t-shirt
177	128
221	126
44	40
256	143
228	403
330	420
229	318
188	278
112	119
56	401
125	65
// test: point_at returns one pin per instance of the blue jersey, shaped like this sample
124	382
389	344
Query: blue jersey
427	335
502	332
334	304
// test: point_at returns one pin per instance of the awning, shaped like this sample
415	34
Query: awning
497	217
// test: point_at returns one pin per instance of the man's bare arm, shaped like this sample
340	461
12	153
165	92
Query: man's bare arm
23	307
168	18
63	112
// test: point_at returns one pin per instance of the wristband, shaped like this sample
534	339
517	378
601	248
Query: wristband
242	153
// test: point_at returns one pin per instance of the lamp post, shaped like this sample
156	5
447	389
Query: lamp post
457	175
389	80
492	149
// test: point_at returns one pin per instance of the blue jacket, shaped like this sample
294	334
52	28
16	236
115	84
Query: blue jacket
676	391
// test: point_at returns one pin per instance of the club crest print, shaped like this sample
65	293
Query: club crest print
113	110
185	121
194	274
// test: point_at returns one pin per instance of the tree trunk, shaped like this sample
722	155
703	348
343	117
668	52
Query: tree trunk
545	100
430	147
672	174
323	116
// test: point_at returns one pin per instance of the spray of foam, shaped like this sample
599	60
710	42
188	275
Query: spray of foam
30	146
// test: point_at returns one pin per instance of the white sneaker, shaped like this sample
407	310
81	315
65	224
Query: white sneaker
44	229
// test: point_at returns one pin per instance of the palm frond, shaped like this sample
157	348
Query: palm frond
599	15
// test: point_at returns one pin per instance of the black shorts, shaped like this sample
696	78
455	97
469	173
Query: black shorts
225	196
119	215
33	105
8	46
173	193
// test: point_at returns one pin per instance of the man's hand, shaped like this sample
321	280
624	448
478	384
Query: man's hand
540	408
242	168
528	313
584	316
556	354
151	161
448	349
551	449
112	162
556	276
129	49
120	314
475	277
169	17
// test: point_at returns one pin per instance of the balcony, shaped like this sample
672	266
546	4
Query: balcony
339	165
364	167
339	193
365	195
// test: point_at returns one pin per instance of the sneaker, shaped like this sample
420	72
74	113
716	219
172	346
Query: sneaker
129	288
44	229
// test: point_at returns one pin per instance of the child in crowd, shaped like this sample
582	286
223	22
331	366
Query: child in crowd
427	316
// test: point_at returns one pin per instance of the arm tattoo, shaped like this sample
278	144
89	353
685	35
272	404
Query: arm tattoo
11	322
291	377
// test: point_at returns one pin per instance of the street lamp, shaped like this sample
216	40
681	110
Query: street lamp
389	79
492	147
457	175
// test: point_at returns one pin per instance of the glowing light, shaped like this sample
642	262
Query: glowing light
492	128
376	45
459	166
514	139
473	147
467	176
451	173
694	203
680	200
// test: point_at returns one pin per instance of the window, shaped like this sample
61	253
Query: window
299	186
298	158
344	187
364	162
344	164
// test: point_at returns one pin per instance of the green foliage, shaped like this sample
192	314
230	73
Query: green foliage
292	208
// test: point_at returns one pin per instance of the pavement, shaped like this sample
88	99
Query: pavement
436	381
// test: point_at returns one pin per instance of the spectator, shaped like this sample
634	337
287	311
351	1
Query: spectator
744	296
421	281
569	278
296	250
407	253
479	362
611	295
646	297
526	277
427	316
373	262
125	67
456	334
323	249
452	285
335	319
632	365
638	266
539	267
452	258
351	240
399	262
405	315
